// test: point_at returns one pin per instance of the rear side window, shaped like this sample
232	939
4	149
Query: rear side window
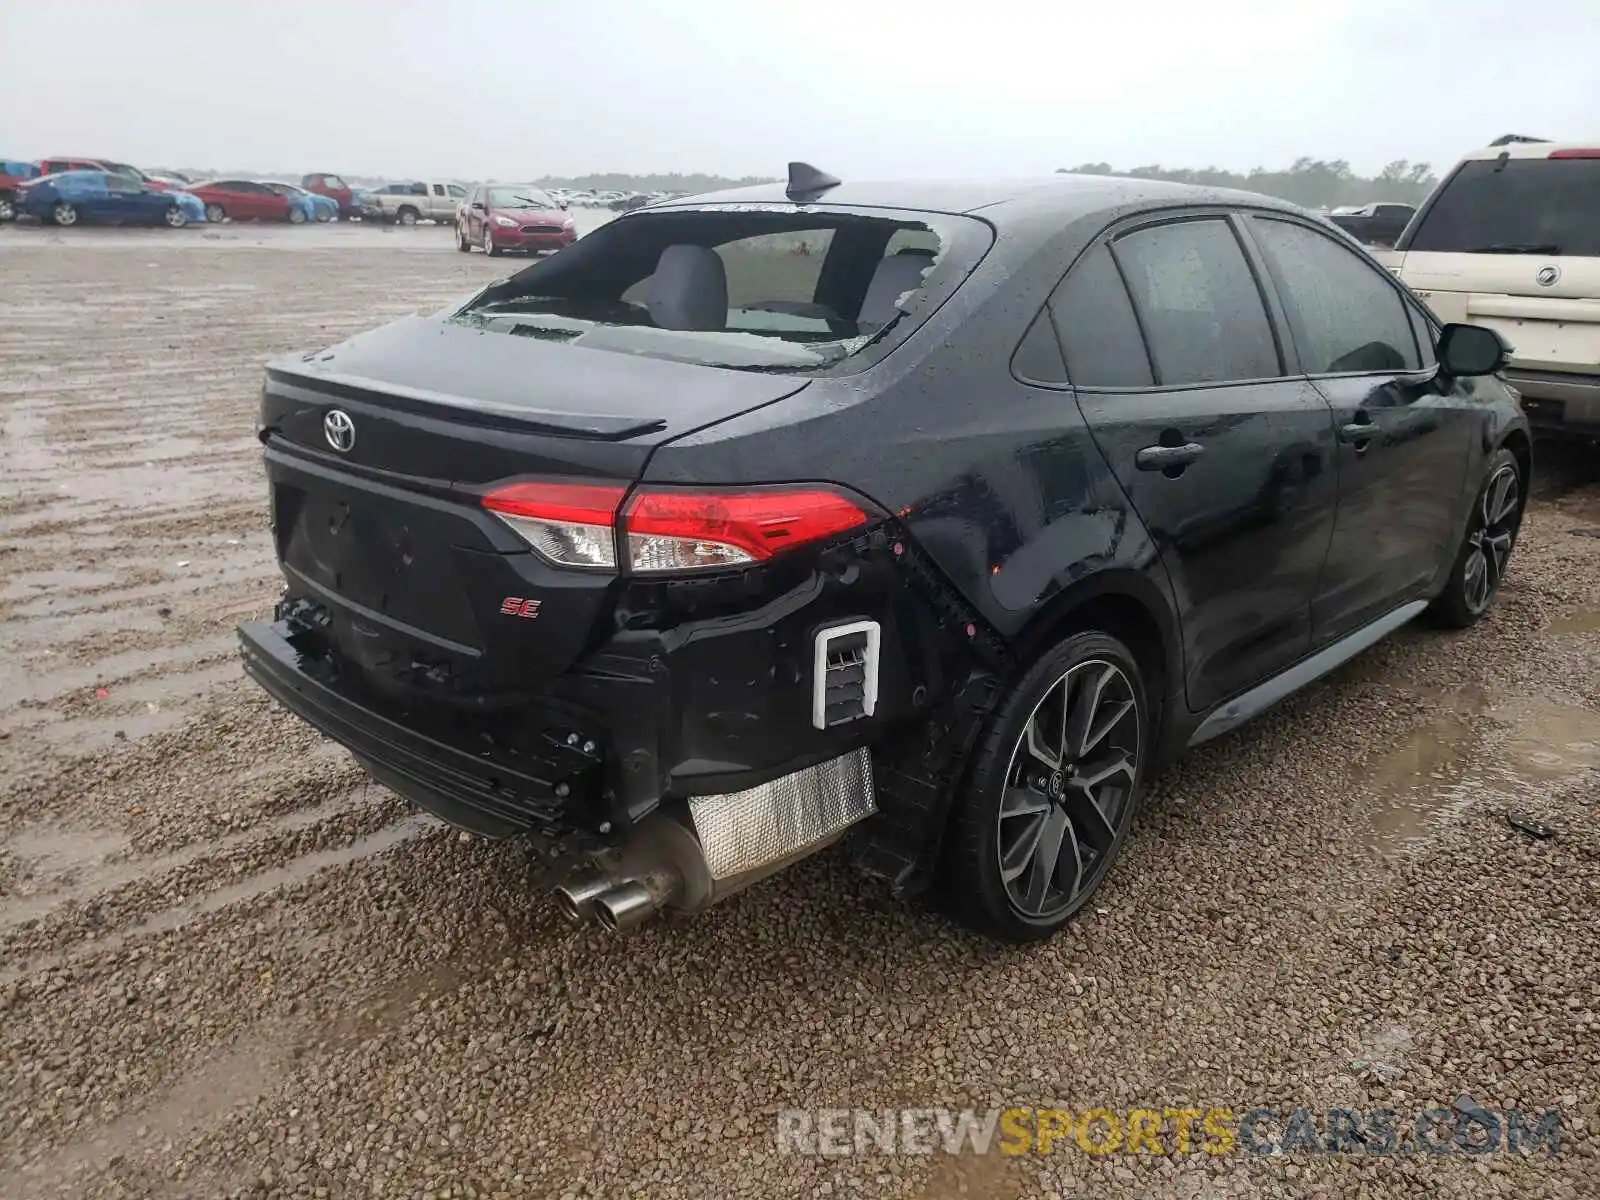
1521	206
1098	331
1345	313
1198	302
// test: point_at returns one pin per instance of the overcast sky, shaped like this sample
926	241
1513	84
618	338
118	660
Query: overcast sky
863	88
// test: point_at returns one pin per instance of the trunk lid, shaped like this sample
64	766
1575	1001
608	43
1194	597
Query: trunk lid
412	580
1546	306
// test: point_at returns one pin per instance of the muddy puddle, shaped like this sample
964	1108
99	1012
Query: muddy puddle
61	866
1578	622
290	874
1479	751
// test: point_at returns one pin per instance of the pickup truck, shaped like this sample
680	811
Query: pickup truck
408	203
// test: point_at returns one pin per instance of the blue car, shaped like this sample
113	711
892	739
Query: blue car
100	197
315	207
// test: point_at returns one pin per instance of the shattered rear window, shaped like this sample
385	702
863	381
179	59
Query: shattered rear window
754	287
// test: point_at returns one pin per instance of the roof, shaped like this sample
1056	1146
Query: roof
1063	196
1531	149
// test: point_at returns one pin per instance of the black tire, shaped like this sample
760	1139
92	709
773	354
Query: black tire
8	207
489	247
215	214
407	215
63	214
1485	553
463	242
974	885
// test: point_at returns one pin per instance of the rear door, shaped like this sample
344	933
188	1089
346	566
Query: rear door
127	200
1224	451
266	203
1405	439
236	202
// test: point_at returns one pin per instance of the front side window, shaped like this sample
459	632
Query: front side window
332	181
1520	206
1201	310
438	189
457	192
1346	314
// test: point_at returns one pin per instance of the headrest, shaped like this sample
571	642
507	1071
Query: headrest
689	289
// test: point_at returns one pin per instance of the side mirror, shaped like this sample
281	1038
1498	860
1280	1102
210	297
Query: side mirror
477	206
1468	350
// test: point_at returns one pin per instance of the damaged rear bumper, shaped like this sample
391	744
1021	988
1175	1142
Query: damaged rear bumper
493	798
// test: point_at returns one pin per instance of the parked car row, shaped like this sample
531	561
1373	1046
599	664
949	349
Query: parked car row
67	190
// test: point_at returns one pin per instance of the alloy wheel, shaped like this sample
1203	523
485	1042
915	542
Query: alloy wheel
8	210
65	214
215	214
1490	542
1069	781
176	218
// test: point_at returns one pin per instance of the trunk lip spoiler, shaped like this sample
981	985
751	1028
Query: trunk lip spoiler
335	385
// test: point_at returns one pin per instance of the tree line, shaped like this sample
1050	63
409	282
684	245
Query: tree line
617	182
1309	182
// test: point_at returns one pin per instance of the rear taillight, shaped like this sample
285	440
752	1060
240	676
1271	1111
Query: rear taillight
676	530
1577	152
671	529
569	523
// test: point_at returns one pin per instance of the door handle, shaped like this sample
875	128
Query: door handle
1159	458
1359	432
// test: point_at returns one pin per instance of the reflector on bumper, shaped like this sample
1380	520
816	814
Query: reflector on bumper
742	831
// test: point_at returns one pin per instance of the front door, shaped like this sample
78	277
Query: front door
1405	437
1227	459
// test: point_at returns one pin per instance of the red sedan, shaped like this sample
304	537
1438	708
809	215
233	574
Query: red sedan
59	163
244	200
509	217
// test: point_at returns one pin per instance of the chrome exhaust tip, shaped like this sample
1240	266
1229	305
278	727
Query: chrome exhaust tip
575	897
625	906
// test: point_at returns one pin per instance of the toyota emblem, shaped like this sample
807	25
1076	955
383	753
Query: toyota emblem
339	429
1549	276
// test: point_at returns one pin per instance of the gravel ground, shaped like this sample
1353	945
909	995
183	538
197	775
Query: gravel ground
229	966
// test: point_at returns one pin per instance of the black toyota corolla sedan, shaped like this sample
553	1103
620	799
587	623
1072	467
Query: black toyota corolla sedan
930	518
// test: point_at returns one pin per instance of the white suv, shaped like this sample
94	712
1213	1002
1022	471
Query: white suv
1511	240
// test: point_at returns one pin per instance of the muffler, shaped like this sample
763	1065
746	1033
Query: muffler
693	855
575	898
